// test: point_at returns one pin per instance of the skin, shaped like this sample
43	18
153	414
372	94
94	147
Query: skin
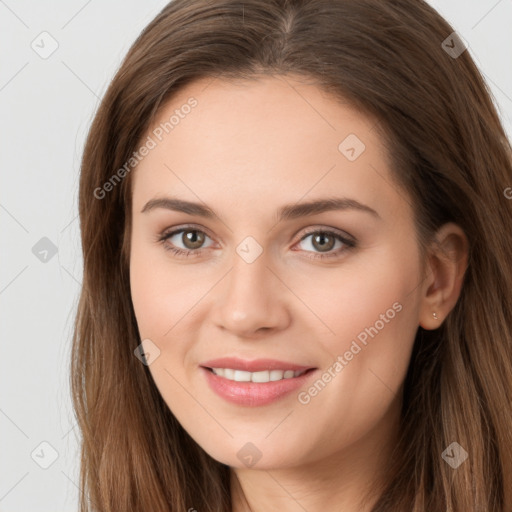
246	149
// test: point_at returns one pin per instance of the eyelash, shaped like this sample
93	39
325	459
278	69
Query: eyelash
349	244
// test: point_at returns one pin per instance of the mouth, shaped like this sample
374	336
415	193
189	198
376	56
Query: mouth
254	383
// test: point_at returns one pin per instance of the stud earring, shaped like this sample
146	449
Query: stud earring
434	314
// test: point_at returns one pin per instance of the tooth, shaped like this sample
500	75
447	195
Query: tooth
218	371
241	376
276	375
260	376
229	373
288	374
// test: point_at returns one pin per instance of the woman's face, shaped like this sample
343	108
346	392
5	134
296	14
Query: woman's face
334	290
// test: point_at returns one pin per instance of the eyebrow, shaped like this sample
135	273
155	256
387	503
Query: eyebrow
287	212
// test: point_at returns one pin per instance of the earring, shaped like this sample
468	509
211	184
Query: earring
434	314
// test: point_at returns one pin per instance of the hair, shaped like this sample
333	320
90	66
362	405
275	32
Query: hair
450	153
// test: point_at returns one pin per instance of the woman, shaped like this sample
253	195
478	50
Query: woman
296	293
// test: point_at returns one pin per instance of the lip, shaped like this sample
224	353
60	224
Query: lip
254	394
256	365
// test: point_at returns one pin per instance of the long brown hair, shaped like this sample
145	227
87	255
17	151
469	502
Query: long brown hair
449	152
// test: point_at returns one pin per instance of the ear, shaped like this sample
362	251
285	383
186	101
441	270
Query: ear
446	264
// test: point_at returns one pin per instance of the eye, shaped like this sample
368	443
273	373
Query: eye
324	241
190	237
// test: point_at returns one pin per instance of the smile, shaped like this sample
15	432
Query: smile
253	389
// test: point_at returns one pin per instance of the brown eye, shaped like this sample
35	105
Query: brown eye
192	238
323	244
323	241
184	241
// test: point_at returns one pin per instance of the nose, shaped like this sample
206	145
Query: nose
252	299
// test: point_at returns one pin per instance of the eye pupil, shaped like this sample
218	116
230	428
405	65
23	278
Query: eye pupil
321	237
195	237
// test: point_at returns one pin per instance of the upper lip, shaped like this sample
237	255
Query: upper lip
255	365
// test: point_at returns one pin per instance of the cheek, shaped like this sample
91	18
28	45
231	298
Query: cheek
370	297
159	302
371	311
146	290
374	318
158	294
166	301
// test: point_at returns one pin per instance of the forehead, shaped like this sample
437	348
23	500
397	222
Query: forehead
272	137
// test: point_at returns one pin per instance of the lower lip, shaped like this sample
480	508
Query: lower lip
254	394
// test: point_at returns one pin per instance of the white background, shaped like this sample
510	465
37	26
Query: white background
46	109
